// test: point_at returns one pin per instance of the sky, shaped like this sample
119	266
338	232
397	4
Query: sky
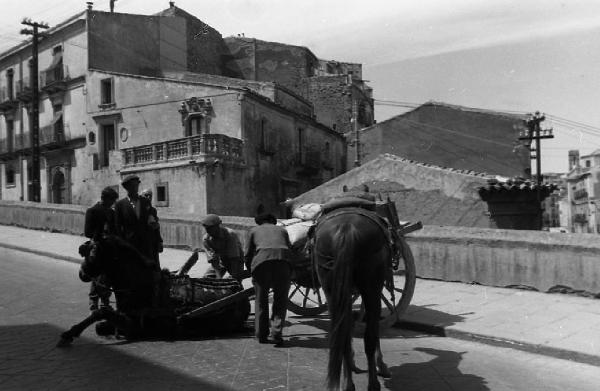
506	55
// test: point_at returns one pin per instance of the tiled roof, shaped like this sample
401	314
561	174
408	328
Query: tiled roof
515	185
448	169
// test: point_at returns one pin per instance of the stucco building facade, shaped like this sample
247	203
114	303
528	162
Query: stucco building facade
123	94
583	192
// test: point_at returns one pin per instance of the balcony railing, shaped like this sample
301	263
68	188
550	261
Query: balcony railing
580	218
7	99
55	78
52	135
194	147
580	194
24	90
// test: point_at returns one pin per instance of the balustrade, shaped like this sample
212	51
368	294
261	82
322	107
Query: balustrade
193	147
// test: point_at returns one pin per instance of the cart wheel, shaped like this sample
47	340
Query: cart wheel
306	301
396	295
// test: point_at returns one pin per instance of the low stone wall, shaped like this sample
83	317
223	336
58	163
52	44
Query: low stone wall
495	257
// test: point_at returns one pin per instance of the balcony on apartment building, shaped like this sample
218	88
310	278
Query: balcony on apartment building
202	147
24	90
51	136
54	79
8	101
579	195
580	218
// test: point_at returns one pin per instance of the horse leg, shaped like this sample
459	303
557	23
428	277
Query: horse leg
382	368
105	313
371	337
349	366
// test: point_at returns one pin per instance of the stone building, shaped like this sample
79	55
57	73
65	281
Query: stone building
127	94
336	89
450	136
583	192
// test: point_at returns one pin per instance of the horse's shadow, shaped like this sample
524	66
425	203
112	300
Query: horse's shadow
441	373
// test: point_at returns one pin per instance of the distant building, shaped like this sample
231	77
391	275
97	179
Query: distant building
450	136
121	94
583	192
552	204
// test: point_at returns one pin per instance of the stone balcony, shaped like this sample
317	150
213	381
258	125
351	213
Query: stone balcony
203	147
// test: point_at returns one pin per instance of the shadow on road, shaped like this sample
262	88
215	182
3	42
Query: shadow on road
30	360
441	373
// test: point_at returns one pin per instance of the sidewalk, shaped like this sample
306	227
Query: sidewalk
557	325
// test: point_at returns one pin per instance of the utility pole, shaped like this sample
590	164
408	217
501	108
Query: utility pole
35	106
535	133
356	134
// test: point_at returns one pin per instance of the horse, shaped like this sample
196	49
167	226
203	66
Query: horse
352	252
144	307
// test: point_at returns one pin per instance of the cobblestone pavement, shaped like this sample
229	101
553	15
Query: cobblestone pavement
40	297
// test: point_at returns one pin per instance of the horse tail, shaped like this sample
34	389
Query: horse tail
340	301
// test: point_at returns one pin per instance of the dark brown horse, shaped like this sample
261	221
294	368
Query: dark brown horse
352	253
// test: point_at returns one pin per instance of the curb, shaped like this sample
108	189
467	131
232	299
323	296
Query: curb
42	253
563	354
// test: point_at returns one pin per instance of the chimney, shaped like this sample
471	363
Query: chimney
89	5
573	159
171	4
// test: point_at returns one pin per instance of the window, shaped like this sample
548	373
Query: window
9	83
588	163
107	143
106	92
56	50
196	124
10	175
300	144
263	134
10	134
162	194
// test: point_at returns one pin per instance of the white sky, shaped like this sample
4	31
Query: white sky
386	36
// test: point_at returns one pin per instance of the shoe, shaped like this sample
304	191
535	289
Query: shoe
277	341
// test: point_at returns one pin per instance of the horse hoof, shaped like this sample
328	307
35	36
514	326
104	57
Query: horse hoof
64	342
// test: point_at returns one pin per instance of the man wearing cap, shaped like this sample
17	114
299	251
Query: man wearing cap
223	250
100	220
267	256
132	214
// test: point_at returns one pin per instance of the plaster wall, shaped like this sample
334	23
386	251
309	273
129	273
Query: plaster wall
269	171
450	137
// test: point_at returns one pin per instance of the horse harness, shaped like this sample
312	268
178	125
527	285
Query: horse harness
338	212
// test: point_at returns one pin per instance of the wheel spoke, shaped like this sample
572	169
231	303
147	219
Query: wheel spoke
388	304
319	296
305	298
294	291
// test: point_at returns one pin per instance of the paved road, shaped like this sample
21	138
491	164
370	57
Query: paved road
40	297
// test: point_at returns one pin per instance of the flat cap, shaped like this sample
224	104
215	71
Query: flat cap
210	220
130	178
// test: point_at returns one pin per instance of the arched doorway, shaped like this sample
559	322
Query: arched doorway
59	189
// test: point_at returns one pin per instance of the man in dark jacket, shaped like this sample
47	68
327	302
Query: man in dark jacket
132	216
100	220
267	256
157	241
